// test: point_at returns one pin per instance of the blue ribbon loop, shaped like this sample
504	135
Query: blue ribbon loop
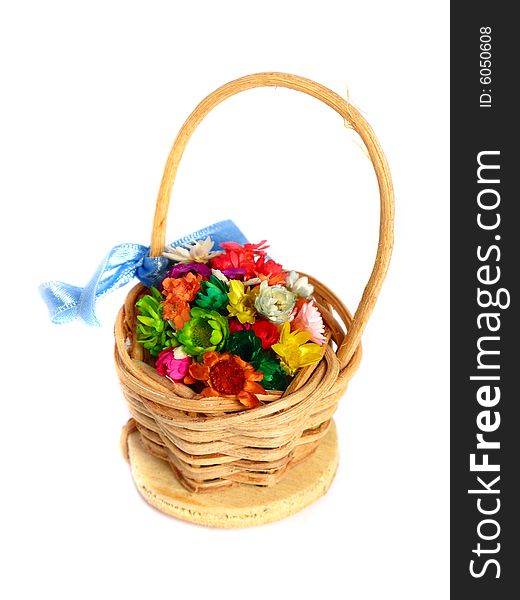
124	262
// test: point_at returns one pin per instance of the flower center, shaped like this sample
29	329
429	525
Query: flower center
227	377
201	333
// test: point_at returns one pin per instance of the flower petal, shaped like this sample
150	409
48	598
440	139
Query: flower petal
210	358
200	372
254	375
248	400
209	392
242	363
216	337
254	387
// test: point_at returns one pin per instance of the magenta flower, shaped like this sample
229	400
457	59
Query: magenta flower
183	268
173	363
234	273
235	325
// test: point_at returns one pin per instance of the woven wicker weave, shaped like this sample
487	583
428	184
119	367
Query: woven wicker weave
215	443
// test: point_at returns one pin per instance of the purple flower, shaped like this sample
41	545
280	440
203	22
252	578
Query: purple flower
236	273
182	268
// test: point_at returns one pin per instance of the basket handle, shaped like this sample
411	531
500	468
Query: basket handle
358	123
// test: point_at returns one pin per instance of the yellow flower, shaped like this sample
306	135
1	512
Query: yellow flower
295	350
241	302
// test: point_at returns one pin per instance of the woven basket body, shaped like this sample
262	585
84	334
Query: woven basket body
213	443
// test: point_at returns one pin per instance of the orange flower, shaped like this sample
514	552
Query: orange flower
178	311
184	288
227	376
179	291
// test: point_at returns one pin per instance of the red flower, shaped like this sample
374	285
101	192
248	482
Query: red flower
256	249
267	332
239	257
269	270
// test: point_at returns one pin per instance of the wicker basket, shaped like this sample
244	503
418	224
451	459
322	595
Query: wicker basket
214	443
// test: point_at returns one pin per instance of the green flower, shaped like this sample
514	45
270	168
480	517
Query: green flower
275	377
213	294
244	344
206	331
153	332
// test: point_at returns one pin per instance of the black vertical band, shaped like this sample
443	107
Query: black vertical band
485	331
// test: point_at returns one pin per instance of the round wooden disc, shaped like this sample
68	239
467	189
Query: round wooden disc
239	506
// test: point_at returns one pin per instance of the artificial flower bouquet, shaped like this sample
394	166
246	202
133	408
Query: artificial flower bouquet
230	321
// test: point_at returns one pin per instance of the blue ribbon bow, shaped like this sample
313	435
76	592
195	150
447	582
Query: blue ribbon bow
124	262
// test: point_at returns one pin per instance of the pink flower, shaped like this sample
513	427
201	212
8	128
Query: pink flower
173	363
307	318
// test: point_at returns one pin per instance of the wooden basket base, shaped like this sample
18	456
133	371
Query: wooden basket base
240	506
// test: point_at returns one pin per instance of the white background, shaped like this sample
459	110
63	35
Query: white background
92	96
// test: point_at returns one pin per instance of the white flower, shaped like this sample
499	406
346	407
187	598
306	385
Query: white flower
275	302
219	275
179	353
253	281
299	285
195	252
